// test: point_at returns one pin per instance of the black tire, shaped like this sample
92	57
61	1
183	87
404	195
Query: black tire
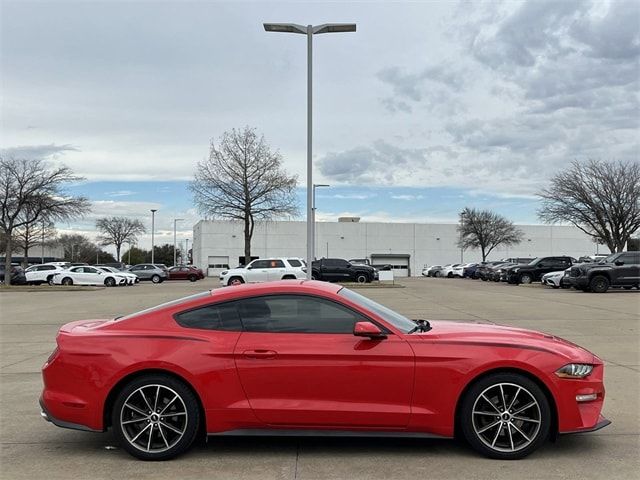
187	423
362	278
192	278
628	287
156	279
109	282
235	281
67	281
50	279
525	278
513	385
555	287
484	279
450	275
599	284
437	274
314	276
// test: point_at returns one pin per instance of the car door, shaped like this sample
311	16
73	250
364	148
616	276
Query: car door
258	271
276	269
175	274
300	365
94	276
78	276
627	269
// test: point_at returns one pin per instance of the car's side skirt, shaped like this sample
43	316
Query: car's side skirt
277	432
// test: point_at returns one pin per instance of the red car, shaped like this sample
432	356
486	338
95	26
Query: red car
185	272
301	357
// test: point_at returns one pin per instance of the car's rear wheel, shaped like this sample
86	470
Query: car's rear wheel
156	417
67	281
362	278
505	416
50	279
109	282
437	274
236	281
599	284
156	279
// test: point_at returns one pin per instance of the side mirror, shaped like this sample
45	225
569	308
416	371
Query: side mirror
369	330
619	263
249	267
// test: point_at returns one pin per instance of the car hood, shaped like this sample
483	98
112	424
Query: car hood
510	337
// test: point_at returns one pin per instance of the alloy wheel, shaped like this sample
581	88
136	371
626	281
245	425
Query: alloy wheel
506	417
154	418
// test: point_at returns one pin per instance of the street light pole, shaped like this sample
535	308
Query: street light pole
310	31
153	231
175	221
42	256
462	215
313	218
186	250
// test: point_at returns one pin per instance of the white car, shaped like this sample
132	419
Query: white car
458	270
554	279
265	270
37	274
447	270
86	275
131	278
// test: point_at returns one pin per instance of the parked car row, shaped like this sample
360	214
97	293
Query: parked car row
66	273
291	268
618	270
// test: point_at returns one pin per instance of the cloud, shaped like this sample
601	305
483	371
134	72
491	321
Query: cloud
350	196
407	197
38	152
121	193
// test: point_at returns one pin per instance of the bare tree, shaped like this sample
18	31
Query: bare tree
243	180
118	231
38	233
600	198
486	230
29	190
79	248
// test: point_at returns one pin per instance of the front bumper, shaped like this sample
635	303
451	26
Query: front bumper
602	422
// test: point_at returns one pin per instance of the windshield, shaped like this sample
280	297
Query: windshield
535	261
401	322
610	259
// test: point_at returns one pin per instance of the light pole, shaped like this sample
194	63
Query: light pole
175	221
186	250
42	256
129	253
310	31
462	214
313	217
153	230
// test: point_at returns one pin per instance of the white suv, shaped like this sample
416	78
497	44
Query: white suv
265	270
37	274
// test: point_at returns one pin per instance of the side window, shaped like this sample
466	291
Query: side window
211	317
276	264
626	258
90	270
295	314
294	263
260	264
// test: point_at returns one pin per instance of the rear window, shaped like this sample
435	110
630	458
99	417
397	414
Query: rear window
294	263
167	304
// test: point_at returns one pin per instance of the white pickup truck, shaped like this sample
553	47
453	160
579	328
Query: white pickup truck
265	270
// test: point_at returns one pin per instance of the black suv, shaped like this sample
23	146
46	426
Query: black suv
617	270
533	272
339	270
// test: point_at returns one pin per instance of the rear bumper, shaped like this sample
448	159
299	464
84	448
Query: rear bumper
44	413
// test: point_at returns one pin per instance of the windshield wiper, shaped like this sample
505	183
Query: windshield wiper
421	326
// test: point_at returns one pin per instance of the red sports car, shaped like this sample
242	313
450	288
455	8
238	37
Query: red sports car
298	357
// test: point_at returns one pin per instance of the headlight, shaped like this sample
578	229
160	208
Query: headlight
575	370
224	272
515	270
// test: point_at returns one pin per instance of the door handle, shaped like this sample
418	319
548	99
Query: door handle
261	354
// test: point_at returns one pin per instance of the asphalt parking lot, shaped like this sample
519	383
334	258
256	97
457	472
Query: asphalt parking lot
607	324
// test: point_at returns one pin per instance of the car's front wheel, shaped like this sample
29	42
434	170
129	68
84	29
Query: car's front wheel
525	278
599	284
505	416
362	278
109	282
156	417
192	278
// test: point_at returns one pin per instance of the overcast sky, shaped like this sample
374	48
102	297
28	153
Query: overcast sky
429	107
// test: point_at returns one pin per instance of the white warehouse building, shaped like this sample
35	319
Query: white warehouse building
408	247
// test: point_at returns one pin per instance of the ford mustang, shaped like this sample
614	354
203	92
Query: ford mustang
304	357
